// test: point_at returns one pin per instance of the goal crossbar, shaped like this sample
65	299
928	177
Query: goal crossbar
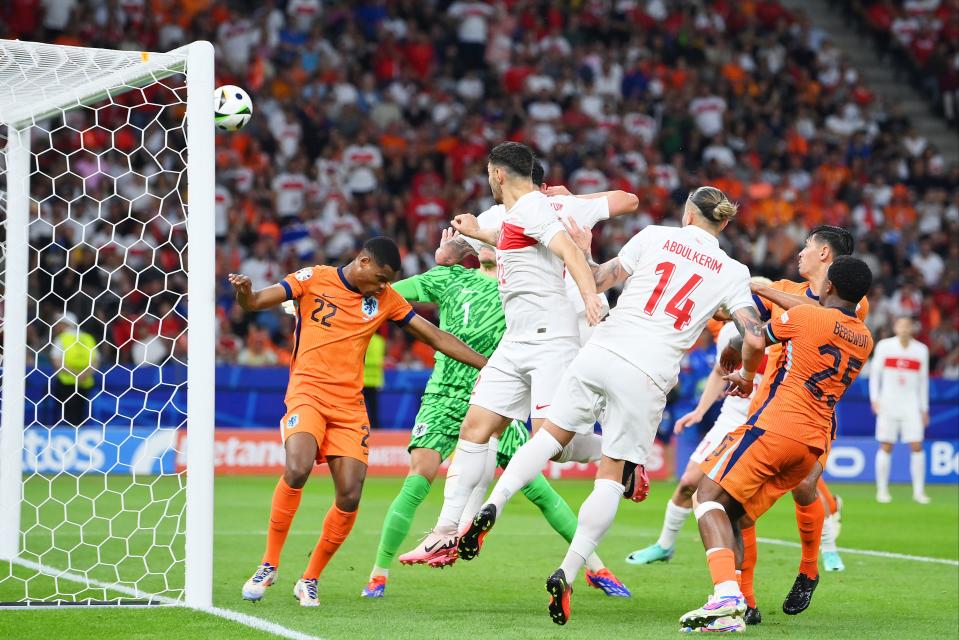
140	68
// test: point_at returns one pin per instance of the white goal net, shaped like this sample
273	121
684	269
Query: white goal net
99	168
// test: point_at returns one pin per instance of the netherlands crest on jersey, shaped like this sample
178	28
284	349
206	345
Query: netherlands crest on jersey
304	274
292	421
371	306
420	429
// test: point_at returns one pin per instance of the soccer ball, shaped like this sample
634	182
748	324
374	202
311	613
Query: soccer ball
232	108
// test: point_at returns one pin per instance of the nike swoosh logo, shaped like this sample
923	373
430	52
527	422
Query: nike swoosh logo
541	406
431	547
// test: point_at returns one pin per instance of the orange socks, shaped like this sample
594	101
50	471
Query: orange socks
810	519
749	565
336	527
825	493
722	566
286	500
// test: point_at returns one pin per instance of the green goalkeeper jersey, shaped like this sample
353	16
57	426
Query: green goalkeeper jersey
470	308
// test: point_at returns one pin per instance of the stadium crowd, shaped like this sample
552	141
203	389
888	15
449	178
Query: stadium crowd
375	117
921	37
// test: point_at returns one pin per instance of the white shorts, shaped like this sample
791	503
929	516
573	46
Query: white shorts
893	428
585	331
725	424
521	377
599	380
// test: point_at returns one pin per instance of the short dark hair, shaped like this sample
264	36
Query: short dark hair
384	252
851	277
840	241
539	173
515	157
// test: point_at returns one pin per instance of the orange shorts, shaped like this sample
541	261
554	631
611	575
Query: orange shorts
339	431
757	467
824	458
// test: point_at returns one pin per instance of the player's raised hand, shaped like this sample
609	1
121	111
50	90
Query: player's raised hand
241	284
730	359
594	310
581	236
557	190
737	385
449	234
687	420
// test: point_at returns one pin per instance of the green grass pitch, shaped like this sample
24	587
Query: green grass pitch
501	593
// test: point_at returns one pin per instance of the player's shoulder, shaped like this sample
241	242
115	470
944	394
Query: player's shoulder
444	271
654	233
313	273
790	286
493	215
805	313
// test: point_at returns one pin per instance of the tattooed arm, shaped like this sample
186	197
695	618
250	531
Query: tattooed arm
754	342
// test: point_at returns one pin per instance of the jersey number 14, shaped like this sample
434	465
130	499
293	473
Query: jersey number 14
679	306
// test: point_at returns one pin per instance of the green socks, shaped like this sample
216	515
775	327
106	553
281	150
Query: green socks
399	518
541	493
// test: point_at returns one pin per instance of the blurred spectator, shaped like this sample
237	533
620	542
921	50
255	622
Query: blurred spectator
376	118
257	352
373	377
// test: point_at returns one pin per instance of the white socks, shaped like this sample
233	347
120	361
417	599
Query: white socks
526	464
675	519
828	540
479	492
595	517
467	469
883	462
594	564
917	470
584	447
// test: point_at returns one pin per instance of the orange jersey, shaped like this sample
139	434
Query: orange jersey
334	325
823	351
769	311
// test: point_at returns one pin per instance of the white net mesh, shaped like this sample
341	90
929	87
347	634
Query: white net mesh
103	485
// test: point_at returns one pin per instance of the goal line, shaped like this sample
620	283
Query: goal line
141	600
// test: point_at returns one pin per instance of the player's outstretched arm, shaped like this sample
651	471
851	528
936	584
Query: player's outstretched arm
712	391
619	202
444	342
781	298
452	249
252	300
468	225
755	340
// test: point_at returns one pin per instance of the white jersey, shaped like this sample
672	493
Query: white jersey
678	278
530	275
899	377
586	213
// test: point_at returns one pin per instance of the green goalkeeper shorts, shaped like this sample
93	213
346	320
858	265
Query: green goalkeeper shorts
437	424
512	439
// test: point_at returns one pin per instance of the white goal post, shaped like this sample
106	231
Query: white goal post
54	93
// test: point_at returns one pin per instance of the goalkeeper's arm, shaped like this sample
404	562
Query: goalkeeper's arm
252	300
